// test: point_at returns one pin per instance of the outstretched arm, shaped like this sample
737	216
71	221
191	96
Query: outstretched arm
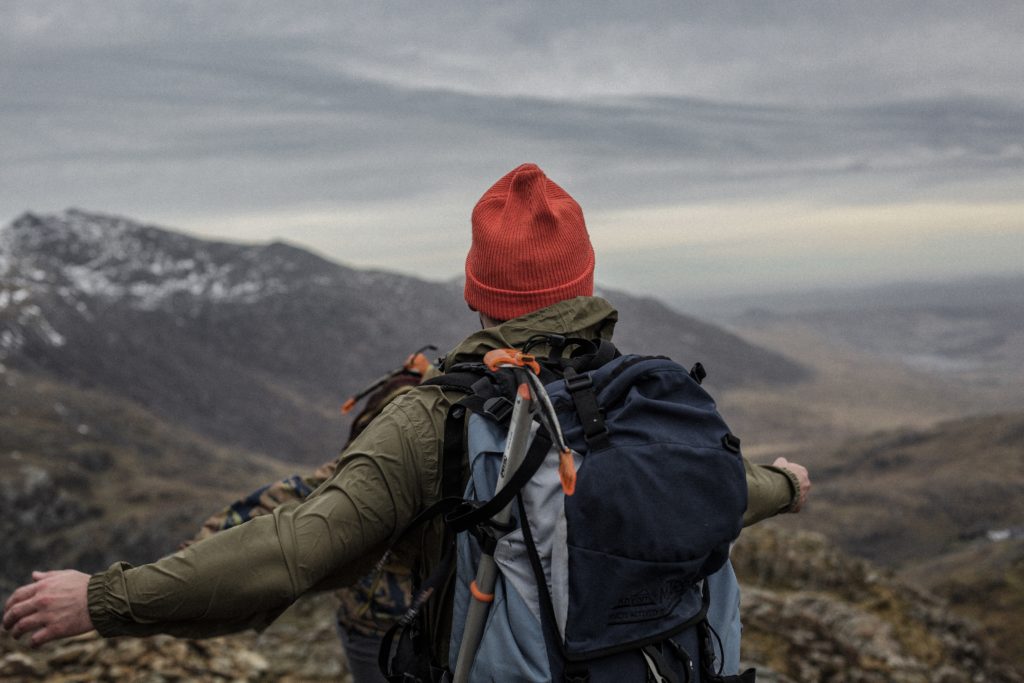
246	575
242	577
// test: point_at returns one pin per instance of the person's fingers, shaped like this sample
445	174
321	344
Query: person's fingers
30	621
23	593
18	605
39	576
45	635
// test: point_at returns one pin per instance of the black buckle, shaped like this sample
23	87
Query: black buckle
698	373
498	408
577	383
731	442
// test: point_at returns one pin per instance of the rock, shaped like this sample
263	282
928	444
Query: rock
17	664
813	614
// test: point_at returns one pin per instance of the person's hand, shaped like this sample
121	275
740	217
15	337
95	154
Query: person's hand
801	476
55	605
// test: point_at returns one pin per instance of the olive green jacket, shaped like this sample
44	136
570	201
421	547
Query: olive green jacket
245	576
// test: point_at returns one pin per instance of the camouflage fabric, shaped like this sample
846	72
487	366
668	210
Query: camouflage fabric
377	600
259	502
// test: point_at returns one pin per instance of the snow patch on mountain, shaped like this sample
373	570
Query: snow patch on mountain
77	254
19	319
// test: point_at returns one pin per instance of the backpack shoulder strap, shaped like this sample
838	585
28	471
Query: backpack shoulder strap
604	352
460	379
464	380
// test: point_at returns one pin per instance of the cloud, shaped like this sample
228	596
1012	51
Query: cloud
810	53
348	126
703	250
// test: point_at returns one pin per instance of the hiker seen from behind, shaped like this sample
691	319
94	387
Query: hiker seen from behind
617	580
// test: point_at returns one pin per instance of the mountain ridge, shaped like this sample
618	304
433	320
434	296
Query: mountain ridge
186	327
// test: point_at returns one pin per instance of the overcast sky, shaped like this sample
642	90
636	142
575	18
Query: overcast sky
715	148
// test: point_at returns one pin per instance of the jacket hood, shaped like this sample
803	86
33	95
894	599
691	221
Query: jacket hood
584	316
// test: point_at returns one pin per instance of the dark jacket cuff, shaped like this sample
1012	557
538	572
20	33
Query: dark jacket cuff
794	488
103	601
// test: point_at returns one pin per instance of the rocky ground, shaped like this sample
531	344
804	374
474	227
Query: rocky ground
301	647
811	613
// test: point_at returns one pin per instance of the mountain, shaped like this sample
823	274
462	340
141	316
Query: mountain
979	343
250	345
255	346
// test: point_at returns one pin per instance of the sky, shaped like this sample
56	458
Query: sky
716	148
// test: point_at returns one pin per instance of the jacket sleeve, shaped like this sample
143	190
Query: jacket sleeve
770	491
245	576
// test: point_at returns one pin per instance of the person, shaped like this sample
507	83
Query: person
369	607
529	270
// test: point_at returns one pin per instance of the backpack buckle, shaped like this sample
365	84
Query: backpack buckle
498	408
575	382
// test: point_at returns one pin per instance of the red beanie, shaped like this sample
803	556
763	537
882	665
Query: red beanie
530	247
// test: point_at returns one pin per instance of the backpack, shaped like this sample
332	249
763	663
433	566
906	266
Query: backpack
595	579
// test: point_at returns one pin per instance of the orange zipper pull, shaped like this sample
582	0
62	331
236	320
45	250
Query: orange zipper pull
567	472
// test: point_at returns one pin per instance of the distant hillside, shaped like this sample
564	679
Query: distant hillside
87	479
964	292
899	496
984	580
646	325
980	344
970	331
257	345
942	506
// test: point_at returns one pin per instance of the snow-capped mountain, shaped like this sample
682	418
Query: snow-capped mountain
252	344
92	260
106	257
256	345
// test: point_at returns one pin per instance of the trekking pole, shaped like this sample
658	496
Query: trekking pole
548	417
482	588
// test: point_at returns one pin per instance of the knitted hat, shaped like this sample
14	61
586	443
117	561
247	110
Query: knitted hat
530	247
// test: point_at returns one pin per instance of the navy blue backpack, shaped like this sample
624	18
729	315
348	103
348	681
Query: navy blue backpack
627	578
